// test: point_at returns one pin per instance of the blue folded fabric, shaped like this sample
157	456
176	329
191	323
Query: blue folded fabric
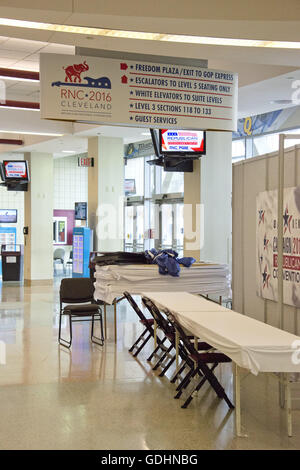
168	261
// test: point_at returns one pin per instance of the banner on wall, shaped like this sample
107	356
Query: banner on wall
267	246
152	95
274	121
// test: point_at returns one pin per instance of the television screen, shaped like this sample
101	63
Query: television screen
8	216
80	210
129	186
182	142
15	170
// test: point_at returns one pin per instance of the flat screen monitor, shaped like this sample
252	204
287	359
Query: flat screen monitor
8	216
129	186
80	210
182	142
15	170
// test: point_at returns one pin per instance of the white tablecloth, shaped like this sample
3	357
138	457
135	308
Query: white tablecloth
250	343
113	280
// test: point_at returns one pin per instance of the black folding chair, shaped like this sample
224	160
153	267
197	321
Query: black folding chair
146	322
169	331
201	368
78	293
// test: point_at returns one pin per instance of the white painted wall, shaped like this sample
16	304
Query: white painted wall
70	183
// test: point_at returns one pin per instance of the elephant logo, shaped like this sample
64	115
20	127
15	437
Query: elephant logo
73	72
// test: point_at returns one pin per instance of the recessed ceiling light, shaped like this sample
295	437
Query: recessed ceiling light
68	151
115	33
281	101
52	134
17	79
18	107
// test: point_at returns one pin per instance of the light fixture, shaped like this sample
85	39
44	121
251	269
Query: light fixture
23	105
51	134
181	38
19	75
281	101
18	107
11	142
68	151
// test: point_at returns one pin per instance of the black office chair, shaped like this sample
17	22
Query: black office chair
76	292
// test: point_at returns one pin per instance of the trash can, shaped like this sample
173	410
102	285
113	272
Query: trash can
12	262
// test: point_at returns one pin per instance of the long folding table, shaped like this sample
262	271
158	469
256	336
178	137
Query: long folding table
251	344
201	278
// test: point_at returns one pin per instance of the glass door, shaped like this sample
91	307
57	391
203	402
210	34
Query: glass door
134	227
128	228
169	225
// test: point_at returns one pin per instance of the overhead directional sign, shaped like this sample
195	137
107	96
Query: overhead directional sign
112	91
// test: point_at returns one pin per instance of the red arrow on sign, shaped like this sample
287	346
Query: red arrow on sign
124	79
123	66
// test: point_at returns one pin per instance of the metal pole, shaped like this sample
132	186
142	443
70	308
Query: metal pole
280	249
280	228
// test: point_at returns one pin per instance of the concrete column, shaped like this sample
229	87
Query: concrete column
38	244
106	193
211	186
216	193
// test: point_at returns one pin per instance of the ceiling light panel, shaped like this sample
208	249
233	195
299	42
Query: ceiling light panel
200	40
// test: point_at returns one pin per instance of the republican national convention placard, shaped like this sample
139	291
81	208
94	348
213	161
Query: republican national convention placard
126	92
267	246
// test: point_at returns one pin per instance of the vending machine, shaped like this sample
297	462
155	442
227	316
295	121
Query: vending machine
82	246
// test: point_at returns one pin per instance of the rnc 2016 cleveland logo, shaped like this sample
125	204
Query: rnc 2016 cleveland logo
73	77
80	93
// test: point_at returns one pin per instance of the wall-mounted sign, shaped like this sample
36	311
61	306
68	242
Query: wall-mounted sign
274	121
154	95
267	246
85	161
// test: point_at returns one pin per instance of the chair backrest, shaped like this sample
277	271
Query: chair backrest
189	346
162	323
59	253
135	306
76	290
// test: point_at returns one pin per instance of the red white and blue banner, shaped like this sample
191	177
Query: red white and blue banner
152	95
267	246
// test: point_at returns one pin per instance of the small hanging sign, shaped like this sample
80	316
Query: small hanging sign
85	161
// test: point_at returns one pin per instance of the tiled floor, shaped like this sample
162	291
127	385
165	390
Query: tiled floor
102	398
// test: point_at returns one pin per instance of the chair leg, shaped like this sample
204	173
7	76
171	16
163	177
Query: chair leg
167	366
62	341
95	339
187	379
159	346
59	328
140	338
142	345
196	389
212	379
162	358
177	374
